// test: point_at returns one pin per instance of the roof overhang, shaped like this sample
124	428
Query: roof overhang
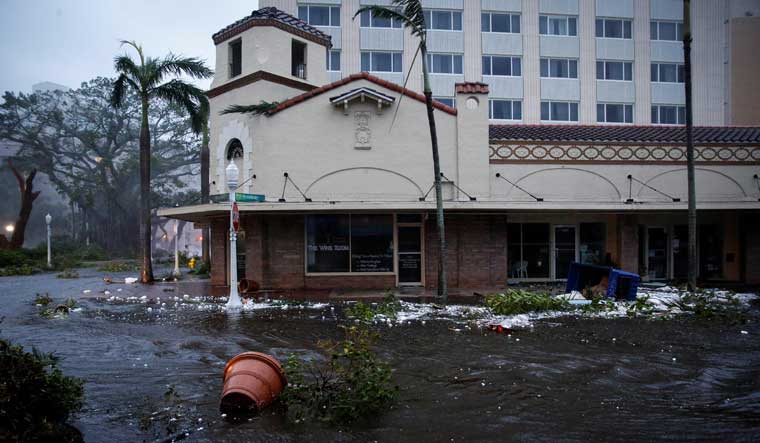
362	94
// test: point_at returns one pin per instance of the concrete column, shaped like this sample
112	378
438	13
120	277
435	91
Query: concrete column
350	61
587	62
472	145
642	113
530	63
472	42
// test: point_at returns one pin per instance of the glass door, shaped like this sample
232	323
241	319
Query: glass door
409	255
657	253
564	250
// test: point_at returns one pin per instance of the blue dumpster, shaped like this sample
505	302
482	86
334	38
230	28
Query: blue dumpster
620	284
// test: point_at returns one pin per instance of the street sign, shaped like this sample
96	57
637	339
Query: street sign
235	217
239	196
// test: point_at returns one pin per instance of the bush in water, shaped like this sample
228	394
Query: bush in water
388	308
353	385
36	399
515	301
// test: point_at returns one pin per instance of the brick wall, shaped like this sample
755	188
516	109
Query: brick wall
476	251
219	238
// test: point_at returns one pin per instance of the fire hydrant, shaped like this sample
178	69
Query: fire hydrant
191	263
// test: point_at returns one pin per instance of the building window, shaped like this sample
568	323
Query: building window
498	22
443	20
559	68
298	59
333	60
320	15
234	149
499	65
559	111
349	243
592	243
368	20
557	25
528	250
614	113
504	109
667	31
448	101
614	70
444	63
613	28
668	73
668	115
381	61
236	58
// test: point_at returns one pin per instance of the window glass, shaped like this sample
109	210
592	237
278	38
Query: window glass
319	15
629	113
365	62
381	62
515	23
501	109
236	58
365	19
627	31
442	20
573	68
655	116
667	31
653	30
396	62
558	68
614	114
457	20
545	115
571	26
613	28
535	249
327	243
668	73
501	66
613	71
668	115
517	110
335	16
500	22
655	73
448	101
485	22
333	60
599	27
372	243
543	27
557	26
681	115
592	245
544	64
574	112
560	111
457	64
303	13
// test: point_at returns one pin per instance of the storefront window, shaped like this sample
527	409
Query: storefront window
349	243
592	247
528	250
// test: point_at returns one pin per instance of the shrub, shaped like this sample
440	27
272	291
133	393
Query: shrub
43	299
642	306
116	266
68	273
24	269
708	305
367	312
353	385
36	399
13	257
515	301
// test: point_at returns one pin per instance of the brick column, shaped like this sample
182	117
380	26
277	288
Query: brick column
254	248
219	240
628	241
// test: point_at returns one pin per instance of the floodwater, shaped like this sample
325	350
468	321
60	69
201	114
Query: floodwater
566	378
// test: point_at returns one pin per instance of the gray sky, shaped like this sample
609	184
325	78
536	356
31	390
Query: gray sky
71	41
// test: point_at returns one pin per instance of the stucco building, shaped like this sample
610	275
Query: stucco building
345	171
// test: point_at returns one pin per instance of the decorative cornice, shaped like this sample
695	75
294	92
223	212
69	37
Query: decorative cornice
605	153
256	76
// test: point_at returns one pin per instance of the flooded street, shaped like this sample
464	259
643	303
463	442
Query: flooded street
152	374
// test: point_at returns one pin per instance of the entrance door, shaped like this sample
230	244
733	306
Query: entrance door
710	242
564	250
657	253
409	255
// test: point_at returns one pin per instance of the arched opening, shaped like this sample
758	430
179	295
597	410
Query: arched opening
235	153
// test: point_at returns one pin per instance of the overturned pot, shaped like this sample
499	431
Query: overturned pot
247	285
252	380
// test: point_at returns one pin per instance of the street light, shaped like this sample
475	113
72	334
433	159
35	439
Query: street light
48	219
176	248
232	183
9	229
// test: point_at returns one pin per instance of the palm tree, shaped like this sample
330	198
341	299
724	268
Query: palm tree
692	273
410	14
146	78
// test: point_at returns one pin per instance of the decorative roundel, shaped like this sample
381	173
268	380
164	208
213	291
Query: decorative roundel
522	152
725	154
642	153
591	152
741	154
708	153
539	152
675	153
504	151
574	152
608	153
625	153
756	154
659	153
556	152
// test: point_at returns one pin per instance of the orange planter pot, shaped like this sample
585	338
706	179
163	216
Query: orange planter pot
252	381
247	285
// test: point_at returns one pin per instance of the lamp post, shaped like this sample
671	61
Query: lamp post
232	183
176	248
48	219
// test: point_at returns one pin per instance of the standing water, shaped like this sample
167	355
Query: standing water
153	370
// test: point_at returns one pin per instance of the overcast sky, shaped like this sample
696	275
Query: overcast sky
71	41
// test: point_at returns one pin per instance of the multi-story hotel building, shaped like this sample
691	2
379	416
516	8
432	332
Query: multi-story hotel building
554	61
559	135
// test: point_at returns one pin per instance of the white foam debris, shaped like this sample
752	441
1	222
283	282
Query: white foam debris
86	291
745	332
130	280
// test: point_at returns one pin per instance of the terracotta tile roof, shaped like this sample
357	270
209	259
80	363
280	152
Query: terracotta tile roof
360	76
625	133
272	16
471	88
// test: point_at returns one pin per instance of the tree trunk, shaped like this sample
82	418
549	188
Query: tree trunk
28	195
442	289
146	276
205	165
692	274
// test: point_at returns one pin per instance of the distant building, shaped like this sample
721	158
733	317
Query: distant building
522	201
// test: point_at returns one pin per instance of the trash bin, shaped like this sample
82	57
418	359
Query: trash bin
620	284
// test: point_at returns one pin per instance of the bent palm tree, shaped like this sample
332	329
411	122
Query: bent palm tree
146	77
411	15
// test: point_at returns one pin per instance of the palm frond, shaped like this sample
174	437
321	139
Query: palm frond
137	47
408	12
120	89
188	96
177	65
262	108
123	64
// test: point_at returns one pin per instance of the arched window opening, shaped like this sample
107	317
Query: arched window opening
234	149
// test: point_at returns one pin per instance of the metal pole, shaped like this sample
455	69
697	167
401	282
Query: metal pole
234	300
176	248
49	257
